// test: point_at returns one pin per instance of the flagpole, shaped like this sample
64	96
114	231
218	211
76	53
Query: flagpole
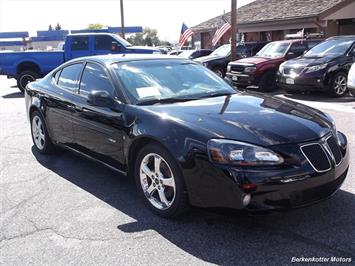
233	30
122	20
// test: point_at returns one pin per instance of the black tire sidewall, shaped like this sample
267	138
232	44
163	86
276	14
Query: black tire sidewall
48	146
218	69
180	202
33	74
263	83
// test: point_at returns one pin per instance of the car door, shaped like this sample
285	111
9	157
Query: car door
105	44
98	131
59	106
80	46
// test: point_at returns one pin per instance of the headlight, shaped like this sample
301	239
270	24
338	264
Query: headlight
316	68
250	69
281	67
241	154
229	68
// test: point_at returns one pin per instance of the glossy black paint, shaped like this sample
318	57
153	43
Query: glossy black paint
115	134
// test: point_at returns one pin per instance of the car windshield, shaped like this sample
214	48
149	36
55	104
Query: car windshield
223	50
122	41
274	50
175	80
330	47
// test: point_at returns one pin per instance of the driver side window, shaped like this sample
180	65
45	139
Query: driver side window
95	78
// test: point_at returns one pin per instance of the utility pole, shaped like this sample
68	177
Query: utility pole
234	30
122	20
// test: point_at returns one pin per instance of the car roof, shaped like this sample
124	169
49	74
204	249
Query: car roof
351	37
119	58
91	33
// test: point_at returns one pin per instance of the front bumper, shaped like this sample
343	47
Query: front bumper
242	79
213	186
301	83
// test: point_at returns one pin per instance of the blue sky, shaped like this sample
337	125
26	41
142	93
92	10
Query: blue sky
164	15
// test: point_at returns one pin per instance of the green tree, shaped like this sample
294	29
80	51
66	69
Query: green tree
95	26
50	28
147	37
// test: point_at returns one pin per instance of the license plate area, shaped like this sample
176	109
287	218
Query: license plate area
290	81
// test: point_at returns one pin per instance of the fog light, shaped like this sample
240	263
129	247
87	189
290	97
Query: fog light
246	199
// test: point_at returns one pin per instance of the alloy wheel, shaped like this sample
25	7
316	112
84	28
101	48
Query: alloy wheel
340	85
157	181
38	132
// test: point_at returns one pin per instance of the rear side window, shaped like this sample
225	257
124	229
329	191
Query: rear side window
80	43
69	77
298	47
104	42
95	78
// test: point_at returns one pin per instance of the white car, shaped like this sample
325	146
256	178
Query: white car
351	80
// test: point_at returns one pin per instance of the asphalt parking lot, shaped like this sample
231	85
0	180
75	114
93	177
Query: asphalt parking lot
67	210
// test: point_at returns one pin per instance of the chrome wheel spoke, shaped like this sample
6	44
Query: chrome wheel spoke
157	162
169	182
150	190
163	198
145	169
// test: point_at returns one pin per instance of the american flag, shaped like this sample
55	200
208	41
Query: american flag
220	32
186	33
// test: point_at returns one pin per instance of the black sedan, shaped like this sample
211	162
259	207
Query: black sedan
186	136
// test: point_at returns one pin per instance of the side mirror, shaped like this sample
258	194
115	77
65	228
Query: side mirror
290	55
100	99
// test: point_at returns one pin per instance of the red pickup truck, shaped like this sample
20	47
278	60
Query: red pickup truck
260	70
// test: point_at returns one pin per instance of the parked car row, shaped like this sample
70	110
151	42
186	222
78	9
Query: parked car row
298	66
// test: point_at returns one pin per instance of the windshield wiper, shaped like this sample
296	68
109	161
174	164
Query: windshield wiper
165	100
217	94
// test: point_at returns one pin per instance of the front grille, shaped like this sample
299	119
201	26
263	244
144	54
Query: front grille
334	148
316	156
288	70
236	68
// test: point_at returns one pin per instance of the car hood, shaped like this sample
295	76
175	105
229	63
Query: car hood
257	119
309	61
255	60
208	58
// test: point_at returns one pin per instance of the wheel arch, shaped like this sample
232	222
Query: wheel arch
135	146
28	66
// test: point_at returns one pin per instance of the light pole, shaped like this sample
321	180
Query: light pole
122	20
233	30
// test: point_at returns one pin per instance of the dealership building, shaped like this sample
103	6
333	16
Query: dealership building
270	20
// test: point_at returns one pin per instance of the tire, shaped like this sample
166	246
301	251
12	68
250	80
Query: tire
24	78
219	72
164	189
338	85
40	136
267	82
